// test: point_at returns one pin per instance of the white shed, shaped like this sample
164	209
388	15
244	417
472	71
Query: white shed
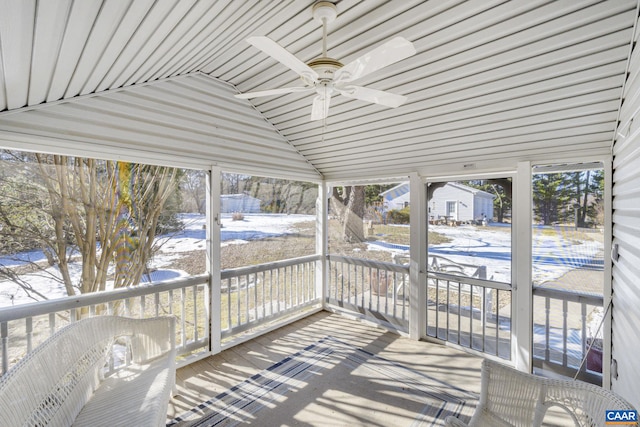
460	203
244	203
455	201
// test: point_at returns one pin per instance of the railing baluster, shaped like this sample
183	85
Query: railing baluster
470	316
438	309
448	312
285	296
194	290
305	282
278	288
497	307
271	302
583	318
247	299
547	328
299	284
229	294
483	316
183	312
428	316
391	284
342	282
4	339
348	284
290	287
356	283
238	302
264	296
565	331
156	299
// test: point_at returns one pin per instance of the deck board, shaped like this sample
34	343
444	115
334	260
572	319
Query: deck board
207	378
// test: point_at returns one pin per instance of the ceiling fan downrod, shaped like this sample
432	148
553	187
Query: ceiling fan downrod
324	12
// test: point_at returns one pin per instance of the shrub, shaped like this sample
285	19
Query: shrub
398	216
237	216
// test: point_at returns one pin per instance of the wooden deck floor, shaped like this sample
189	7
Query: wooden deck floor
207	378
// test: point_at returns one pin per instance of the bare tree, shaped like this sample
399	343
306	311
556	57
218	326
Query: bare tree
102	211
193	183
348	204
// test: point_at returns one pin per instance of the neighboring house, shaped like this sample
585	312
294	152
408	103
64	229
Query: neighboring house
454	201
244	203
396	197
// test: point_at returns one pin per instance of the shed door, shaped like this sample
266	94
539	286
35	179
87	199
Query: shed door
452	211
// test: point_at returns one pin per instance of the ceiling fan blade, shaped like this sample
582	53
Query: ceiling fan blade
372	95
392	51
320	108
270	92
283	56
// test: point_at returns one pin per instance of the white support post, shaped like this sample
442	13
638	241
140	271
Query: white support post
322	226
213	254
522	295
418	258
607	290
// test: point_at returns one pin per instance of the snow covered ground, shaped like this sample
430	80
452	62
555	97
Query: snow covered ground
553	256
254	226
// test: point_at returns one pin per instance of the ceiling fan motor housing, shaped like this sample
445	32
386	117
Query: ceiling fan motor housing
325	67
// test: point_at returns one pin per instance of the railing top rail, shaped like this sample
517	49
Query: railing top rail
590	298
234	272
382	265
51	306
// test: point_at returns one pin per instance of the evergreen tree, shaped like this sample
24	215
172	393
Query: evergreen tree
550	196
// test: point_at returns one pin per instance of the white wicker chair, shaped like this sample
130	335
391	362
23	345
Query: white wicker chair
61	382
512	398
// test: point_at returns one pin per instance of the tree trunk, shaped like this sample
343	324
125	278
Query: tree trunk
353	226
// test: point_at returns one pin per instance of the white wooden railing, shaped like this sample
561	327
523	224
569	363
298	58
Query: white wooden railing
374	289
470	312
266	292
251	297
462	306
23	327
566	338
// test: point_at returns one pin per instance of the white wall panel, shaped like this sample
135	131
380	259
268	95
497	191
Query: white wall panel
192	120
625	322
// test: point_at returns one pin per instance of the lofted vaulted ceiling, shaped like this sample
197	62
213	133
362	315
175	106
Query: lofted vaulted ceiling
492	83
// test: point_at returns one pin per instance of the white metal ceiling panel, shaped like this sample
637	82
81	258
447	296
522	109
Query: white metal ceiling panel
493	81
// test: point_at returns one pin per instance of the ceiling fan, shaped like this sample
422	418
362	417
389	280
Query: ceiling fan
326	75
